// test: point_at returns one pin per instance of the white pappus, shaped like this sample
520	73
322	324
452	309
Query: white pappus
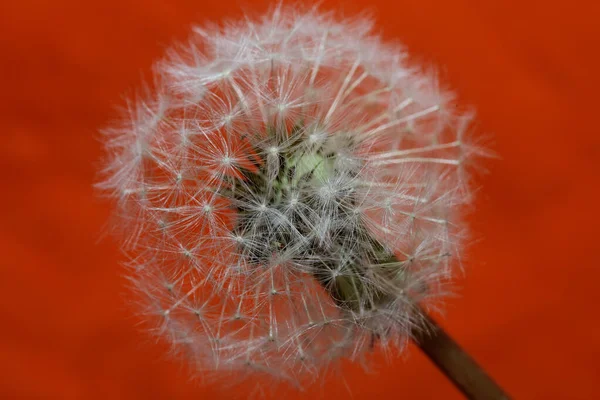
289	194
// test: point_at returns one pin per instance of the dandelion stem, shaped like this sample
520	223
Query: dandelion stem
352	293
456	363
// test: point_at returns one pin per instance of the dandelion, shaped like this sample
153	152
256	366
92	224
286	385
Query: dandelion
289	194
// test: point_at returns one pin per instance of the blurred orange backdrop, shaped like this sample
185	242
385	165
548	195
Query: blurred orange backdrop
528	301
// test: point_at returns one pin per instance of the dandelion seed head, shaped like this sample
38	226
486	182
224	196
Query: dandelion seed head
291	192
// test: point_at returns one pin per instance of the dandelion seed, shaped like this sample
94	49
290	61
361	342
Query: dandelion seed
311	180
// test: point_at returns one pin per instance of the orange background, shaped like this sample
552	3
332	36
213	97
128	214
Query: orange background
528	304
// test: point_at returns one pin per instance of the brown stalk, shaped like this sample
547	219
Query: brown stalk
456	363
